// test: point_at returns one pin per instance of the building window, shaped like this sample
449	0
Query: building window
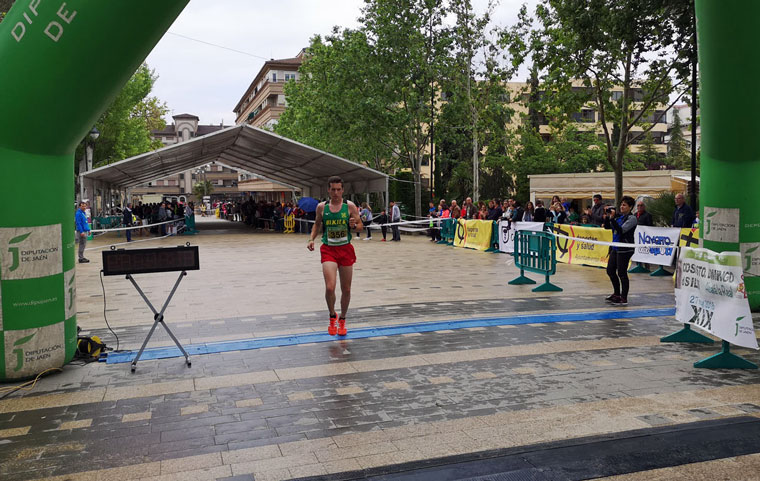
587	115
617	95
426	159
274	76
290	76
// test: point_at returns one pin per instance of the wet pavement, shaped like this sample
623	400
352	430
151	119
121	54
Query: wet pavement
378	405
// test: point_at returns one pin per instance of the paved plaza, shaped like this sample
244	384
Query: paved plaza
506	382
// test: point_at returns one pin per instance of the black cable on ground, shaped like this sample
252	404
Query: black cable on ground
105	318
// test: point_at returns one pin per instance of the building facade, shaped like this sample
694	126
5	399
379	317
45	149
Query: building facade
180	186
264	101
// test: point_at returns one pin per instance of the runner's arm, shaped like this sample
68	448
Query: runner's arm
316	227
353	213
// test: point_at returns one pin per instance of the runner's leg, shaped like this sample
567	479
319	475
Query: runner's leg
346	274
330	271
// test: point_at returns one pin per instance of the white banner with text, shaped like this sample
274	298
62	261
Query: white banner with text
711	295
507	231
656	245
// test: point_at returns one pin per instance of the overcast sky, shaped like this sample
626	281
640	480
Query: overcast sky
208	81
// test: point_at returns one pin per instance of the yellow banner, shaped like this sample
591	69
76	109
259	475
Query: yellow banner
579	252
473	234
689	237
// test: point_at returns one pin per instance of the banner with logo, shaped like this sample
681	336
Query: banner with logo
507	230
578	252
689	237
711	295
473	234
656	245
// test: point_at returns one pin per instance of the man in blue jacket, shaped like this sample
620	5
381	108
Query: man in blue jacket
683	216
83	229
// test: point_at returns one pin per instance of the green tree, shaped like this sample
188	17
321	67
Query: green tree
337	105
410	45
678	154
125	127
203	188
603	45
647	154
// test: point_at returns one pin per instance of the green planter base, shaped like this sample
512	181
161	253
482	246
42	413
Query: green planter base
638	269
521	280
687	335
442	242
725	360
660	272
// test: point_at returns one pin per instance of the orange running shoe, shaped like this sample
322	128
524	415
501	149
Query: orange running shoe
332	329
342	327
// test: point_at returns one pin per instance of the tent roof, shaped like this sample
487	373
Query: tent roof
249	149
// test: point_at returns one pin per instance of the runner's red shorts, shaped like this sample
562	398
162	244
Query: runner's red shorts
342	255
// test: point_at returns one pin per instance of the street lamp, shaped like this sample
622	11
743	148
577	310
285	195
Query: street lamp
89	149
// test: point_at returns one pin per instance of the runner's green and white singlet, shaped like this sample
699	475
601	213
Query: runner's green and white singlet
335	226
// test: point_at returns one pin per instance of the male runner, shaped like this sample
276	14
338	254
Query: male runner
336	219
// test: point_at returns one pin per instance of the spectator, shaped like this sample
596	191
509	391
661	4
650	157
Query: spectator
555	200
566	204
456	212
127	221
683	216
494	210
642	216
586	220
557	214
506	211
366	216
529	212
382	219
623	227
517	211
83	229
443	210
597	211
469	211
395	218
433	214
572	216
540	214
483	212
163	216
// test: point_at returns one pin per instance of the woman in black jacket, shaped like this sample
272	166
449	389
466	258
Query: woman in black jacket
623	227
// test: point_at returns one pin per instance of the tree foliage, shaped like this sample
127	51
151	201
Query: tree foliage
203	188
637	47
678	154
125	127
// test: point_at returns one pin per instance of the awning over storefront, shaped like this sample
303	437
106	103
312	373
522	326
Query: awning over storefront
585	185
249	149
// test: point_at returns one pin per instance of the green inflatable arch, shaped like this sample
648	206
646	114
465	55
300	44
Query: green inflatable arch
63	62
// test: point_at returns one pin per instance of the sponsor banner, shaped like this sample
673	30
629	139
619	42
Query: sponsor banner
70	293
579	252
660	245
689	237
721	225
711	295
30	252
31	351
474	234
508	229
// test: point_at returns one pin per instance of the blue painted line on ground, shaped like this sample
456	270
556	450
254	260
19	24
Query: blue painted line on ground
246	344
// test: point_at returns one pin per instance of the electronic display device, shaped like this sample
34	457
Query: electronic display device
142	261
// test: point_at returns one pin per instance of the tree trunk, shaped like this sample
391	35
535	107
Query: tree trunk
475	166
417	193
